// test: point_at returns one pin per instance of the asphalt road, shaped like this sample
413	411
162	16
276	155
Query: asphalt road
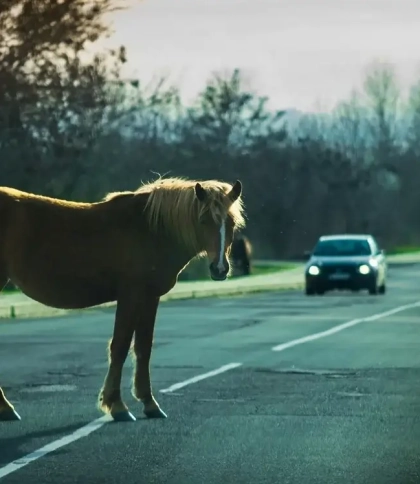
340	407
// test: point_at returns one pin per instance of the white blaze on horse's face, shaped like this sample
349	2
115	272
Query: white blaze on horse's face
219	266
220	263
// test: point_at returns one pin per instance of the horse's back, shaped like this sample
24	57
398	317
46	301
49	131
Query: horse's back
9	198
51	229
70	254
12	196
8	192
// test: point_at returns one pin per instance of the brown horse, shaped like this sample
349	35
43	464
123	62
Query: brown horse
129	248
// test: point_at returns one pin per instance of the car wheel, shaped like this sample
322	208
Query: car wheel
373	290
309	291
320	292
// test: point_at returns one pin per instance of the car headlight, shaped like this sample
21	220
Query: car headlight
313	270
373	262
364	269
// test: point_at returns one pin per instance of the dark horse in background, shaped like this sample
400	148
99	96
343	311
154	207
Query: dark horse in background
240	255
129	248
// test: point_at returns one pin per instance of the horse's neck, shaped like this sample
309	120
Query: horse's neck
182	259
174	258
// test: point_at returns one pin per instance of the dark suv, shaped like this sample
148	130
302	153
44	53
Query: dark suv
346	262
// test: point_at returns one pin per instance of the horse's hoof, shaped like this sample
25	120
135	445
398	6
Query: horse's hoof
155	413
124	416
9	415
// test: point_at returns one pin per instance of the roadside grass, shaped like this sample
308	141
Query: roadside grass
198	270
403	249
9	289
258	270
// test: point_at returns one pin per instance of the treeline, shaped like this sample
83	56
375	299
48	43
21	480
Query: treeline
71	127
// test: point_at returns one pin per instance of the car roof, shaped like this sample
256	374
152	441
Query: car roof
346	236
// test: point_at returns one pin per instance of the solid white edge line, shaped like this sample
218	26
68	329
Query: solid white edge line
340	327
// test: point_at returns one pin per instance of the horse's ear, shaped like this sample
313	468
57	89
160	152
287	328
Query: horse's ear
200	192
236	191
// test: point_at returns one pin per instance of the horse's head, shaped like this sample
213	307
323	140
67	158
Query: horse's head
217	226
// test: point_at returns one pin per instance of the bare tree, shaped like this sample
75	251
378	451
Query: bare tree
49	96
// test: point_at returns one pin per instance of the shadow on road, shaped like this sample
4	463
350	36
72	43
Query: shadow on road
13	448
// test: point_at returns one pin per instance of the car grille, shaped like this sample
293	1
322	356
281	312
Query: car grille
331	269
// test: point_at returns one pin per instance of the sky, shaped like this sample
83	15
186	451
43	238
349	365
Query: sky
302	54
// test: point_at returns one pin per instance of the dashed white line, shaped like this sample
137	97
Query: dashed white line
96	425
203	376
100	422
340	327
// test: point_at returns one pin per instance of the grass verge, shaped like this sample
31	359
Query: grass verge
403	249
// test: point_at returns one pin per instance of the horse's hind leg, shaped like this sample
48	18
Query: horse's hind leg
143	342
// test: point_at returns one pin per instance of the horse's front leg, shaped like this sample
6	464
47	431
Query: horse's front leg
143	341
7	412
110	400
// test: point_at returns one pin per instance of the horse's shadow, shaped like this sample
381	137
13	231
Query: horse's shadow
10	446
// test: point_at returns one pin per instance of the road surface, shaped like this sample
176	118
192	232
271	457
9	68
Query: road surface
338	402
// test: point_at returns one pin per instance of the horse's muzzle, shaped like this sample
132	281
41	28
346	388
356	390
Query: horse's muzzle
216	274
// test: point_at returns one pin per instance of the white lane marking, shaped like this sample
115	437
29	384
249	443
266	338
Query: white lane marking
50	388
340	327
223	303
203	376
96	425
220	264
51	447
100	422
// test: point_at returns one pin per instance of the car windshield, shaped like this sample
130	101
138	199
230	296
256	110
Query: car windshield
342	247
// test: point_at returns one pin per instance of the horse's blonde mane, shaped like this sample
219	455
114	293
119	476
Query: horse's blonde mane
173	206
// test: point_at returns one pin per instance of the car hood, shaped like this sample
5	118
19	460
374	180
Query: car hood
324	260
